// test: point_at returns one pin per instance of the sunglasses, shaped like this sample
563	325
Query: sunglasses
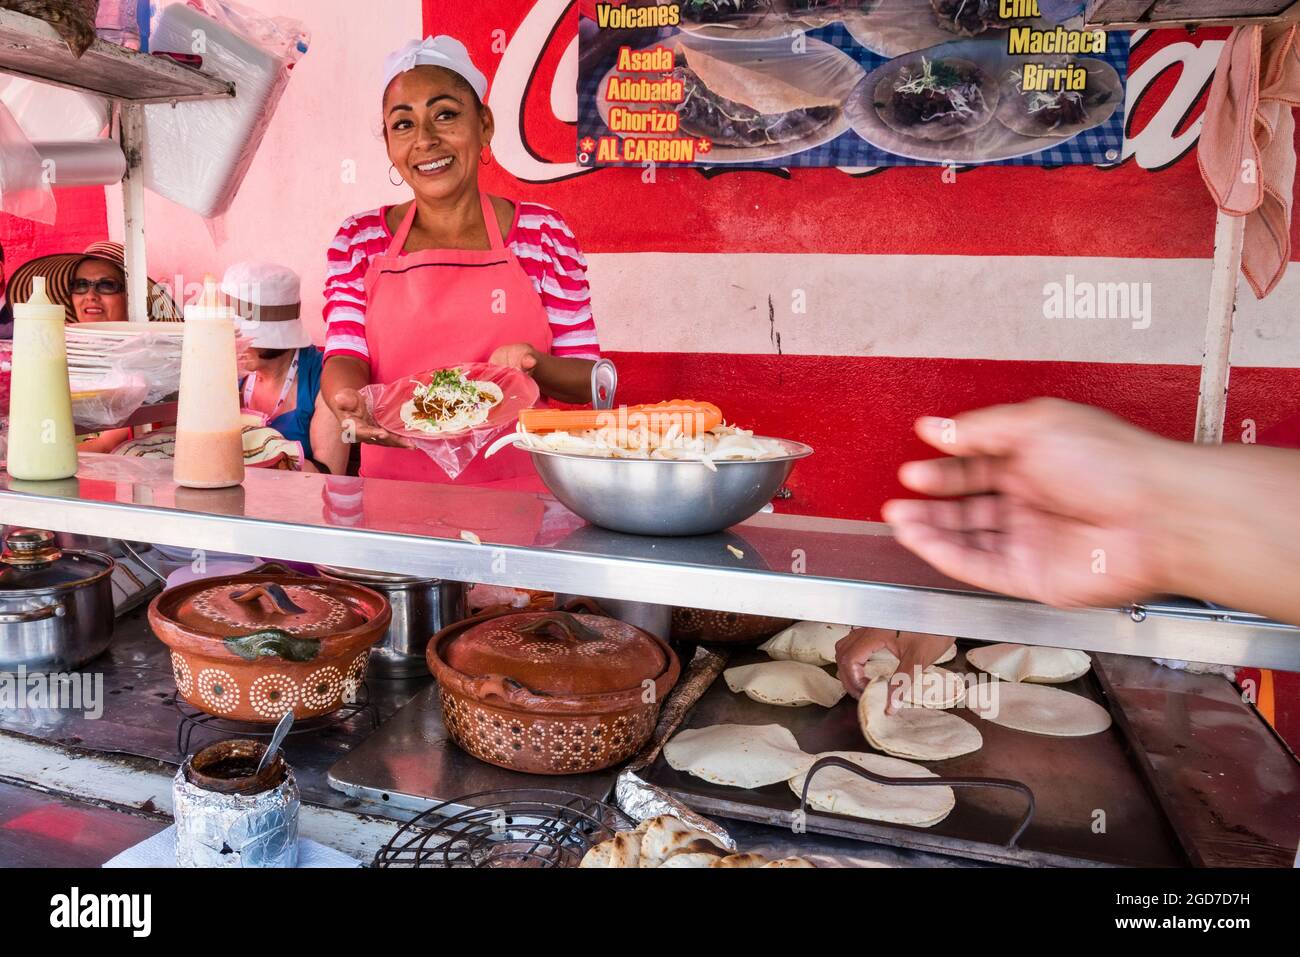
104	287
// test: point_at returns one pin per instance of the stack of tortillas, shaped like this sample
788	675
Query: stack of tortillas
812	642
791	684
738	755
1030	663
1041	710
839	791
921	733
667	841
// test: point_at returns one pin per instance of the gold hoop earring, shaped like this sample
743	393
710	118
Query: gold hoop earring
391	170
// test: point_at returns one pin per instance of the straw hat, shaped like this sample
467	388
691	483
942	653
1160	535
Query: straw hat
60	268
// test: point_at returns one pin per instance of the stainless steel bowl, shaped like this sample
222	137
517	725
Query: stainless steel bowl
664	496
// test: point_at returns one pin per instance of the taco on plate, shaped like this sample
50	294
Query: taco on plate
723	11
935	98
1063	113
970	18
735	105
450	403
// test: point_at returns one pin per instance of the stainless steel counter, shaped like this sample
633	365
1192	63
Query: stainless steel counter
785	565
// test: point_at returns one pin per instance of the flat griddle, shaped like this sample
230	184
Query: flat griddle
1094	806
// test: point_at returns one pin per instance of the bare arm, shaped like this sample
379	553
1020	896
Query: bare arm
564	379
105	441
1071	506
1232	526
327	443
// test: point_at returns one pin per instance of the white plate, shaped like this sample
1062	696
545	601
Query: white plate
989	143
125	330
894	29
722	155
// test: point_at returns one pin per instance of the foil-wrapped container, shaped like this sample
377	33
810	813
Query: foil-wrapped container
228	819
640	800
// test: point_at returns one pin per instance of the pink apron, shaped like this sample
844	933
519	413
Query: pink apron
437	307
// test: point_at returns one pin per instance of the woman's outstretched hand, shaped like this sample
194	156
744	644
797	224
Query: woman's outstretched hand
358	425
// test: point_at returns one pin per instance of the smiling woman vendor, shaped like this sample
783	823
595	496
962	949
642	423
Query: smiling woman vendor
453	275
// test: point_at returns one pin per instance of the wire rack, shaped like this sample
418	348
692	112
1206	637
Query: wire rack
192	720
512	827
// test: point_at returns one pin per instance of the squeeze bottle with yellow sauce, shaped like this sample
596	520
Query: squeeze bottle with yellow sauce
42	442
209	433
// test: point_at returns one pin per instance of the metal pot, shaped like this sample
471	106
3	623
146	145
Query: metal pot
56	607
421	608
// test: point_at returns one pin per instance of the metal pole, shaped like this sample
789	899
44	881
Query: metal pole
131	134
1212	402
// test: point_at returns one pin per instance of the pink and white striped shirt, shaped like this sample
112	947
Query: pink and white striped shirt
547	251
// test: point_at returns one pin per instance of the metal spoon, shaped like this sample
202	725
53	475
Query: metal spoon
277	739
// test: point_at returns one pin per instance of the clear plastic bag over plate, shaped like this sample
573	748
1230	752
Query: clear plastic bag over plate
453	451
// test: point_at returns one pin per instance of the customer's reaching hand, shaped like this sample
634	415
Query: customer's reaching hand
1069	505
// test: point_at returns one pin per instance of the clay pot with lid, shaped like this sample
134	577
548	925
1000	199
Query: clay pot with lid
551	692
252	647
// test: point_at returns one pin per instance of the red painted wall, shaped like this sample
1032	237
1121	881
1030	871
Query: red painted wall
856	411
81	221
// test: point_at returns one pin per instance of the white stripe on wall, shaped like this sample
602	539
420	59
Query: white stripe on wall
962	307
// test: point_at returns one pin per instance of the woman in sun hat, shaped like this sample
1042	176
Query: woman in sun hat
280	366
453	274
90	285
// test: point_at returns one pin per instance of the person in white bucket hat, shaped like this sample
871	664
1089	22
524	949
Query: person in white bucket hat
281	368
452	275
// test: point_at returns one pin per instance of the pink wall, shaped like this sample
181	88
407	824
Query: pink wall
320	161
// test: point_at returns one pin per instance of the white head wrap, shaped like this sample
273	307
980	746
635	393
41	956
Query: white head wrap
444	51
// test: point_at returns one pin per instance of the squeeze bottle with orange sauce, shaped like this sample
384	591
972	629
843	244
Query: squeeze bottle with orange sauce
42	442
209	434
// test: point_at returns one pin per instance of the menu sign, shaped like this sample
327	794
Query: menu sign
848	83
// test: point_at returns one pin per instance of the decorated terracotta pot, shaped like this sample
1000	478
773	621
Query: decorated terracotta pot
550	692
724	627
252	647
